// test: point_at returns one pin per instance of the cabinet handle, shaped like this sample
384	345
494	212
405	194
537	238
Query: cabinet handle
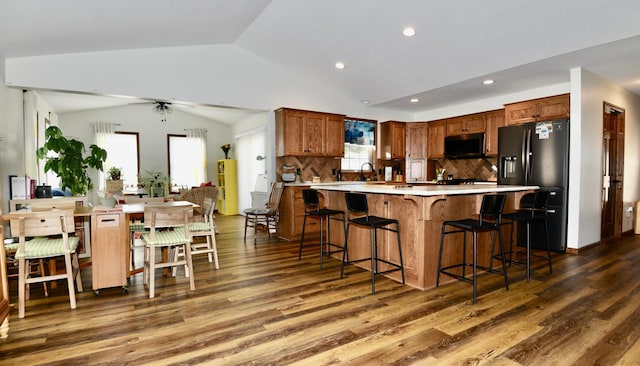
108	220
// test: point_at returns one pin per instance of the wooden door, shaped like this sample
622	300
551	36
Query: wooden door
522	112
612	172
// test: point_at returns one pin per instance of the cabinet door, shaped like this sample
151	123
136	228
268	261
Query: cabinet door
393	140
474	123
553	108
522	112
293	137
314	134
416	140
495	120
416	170
455	126
435	139
334	145
109	257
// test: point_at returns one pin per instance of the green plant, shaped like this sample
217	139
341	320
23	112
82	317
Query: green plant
154	182
114	173
70	163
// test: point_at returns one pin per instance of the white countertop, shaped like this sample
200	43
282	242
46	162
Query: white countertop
419	190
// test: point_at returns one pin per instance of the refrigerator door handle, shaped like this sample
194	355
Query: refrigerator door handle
529	169
523	155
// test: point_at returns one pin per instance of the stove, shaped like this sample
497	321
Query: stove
457	181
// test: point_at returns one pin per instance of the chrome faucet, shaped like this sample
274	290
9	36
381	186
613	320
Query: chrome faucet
362	177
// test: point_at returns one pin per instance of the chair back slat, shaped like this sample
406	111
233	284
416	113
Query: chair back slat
43	223
275	195
160	216
541	200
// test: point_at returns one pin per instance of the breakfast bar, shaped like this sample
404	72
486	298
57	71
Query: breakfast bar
421	209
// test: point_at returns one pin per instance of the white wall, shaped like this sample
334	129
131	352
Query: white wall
588	93
12	153
152	132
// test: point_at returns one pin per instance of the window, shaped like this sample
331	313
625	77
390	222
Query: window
123	151
187	162
360	143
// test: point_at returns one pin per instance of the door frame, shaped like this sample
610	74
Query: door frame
617	179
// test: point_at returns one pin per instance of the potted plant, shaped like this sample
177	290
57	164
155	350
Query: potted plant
114	183
155	183
69	162
114	173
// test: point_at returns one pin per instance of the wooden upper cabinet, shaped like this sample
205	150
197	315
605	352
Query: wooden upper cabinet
334	145
495	120
305	133
392	140
473	123
542	109
416	140
436	132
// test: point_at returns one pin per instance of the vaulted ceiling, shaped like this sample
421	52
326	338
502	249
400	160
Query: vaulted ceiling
520	44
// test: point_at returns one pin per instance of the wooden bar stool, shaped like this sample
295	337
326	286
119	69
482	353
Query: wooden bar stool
530	213
491	208
358	207
312	209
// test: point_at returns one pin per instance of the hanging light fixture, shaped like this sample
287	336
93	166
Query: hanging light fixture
163	108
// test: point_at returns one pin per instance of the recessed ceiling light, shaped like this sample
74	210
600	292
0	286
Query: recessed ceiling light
364	101
339	65
488	82
409	32
415	100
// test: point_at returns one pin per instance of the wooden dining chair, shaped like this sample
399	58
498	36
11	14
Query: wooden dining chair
265	219
49	231
206	229
168	228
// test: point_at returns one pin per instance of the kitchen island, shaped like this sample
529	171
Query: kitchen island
421	209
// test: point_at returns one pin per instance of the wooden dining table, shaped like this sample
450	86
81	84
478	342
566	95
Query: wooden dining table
109	225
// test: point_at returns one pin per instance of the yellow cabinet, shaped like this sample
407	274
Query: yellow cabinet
227	186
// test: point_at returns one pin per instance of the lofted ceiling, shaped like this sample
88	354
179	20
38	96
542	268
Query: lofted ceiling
520	44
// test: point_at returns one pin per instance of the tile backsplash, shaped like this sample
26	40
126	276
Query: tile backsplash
469	168
310	167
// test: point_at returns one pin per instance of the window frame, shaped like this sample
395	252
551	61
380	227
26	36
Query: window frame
375	142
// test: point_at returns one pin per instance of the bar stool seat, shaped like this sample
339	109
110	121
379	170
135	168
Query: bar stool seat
357	206
491	208
530	213
312	209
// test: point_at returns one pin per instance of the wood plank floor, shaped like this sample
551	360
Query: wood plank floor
264	307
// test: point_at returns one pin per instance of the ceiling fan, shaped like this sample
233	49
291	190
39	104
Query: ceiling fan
163	108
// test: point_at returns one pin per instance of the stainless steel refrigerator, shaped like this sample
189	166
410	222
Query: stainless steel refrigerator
537	153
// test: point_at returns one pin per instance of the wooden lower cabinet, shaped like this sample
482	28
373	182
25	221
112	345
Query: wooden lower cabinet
420	227
292	215
110	250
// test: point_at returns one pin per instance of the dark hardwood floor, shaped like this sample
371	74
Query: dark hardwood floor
264	307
